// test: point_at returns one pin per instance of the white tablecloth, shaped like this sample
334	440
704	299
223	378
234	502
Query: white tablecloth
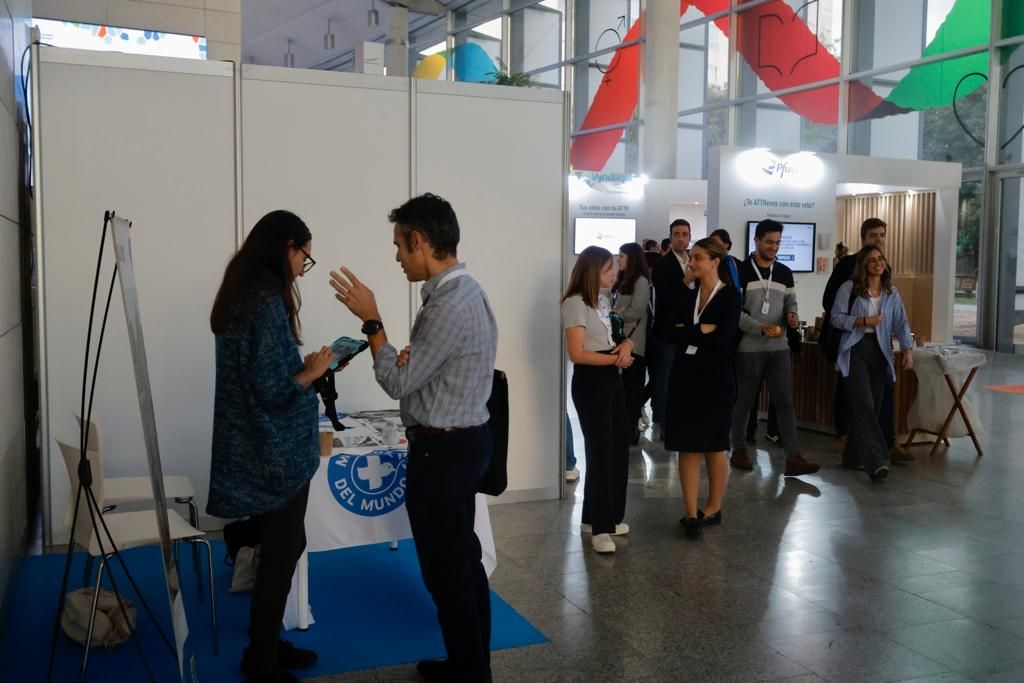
933	402
357	497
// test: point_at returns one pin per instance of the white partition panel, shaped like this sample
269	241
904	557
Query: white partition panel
496	153
333	148
153	139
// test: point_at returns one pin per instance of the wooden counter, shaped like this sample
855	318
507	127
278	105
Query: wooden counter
814	386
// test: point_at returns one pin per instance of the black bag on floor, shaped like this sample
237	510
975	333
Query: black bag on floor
495	479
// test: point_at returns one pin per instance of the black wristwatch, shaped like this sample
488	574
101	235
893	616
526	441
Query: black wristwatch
372	327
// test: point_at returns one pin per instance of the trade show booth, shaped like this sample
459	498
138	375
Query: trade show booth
222	146
821	199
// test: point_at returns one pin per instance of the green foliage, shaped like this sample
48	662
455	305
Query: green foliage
502	76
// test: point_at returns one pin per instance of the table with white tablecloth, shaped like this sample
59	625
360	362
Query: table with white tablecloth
357	497
944	374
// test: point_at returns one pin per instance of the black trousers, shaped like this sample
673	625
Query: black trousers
282	540
633	386
444	471
865	387
886	416
600	402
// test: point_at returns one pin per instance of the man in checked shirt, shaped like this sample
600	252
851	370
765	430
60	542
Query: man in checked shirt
442	381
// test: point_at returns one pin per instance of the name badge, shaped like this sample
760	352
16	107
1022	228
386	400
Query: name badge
765	307
691	350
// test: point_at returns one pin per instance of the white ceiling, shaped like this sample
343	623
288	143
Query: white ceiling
267	25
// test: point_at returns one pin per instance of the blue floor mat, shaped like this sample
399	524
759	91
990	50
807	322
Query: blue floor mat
369	603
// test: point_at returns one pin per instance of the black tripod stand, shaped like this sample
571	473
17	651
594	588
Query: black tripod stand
85	497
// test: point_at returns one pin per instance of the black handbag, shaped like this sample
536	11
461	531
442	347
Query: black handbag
495	480
796	342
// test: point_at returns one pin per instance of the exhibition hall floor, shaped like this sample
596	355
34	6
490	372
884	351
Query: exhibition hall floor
828	577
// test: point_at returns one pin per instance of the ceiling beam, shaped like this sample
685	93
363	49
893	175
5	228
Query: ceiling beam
421	6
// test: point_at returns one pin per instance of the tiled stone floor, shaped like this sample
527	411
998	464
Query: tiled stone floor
829	577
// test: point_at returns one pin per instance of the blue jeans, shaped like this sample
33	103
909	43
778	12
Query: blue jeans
660	356
570	452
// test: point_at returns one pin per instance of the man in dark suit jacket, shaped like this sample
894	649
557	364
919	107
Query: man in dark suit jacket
872	233
669	278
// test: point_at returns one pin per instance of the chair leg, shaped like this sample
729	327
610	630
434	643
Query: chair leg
92	614
87	574
193	519
213	601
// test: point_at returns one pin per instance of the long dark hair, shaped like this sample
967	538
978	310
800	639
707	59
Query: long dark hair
716	250
636	265
262	264
860	273
586	275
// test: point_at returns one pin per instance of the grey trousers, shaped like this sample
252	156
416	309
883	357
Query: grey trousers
866	444
773	367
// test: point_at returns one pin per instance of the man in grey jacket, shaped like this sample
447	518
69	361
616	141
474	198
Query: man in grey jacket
769	305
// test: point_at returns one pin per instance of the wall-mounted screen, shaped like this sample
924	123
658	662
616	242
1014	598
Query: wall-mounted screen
610	233
797	250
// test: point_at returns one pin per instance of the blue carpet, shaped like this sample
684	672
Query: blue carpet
369	603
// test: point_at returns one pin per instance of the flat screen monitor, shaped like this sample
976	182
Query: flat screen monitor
797	250
610	233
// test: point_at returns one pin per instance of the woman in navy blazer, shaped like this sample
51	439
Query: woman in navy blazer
869	311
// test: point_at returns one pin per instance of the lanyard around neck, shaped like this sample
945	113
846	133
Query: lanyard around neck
697	310
757	272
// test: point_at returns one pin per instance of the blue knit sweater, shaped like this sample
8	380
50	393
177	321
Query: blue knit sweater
265	424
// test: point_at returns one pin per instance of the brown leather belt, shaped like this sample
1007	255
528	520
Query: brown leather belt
419	431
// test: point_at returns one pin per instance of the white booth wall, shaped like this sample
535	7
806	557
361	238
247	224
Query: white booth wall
738	193
194	153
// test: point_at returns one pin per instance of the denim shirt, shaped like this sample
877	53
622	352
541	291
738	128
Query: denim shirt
894	324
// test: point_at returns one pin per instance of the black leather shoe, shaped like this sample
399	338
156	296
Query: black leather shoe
288	657
433	669
691	528
709	520
291	657
280	677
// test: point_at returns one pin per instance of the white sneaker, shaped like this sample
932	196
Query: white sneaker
572	475
602	543
620	529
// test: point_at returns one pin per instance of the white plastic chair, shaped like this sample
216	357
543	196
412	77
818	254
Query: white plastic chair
125	490
128	529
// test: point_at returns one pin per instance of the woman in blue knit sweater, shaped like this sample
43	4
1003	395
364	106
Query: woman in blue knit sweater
266	423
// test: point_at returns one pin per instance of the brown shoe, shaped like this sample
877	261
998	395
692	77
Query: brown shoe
740	460
796	466
899	453
841	444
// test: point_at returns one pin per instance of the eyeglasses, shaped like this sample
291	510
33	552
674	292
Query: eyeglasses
307	265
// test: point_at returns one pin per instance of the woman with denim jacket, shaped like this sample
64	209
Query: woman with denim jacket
869	311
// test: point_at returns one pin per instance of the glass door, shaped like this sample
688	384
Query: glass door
1009	297
965	282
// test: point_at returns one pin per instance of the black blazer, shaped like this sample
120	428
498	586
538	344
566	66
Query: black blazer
667	279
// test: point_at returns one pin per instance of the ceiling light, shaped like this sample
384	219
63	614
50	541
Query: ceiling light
372	16
289	57
328	37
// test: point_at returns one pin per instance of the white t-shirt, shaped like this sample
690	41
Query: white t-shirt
874	309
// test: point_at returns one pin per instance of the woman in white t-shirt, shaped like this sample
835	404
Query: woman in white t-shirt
869	312
598	395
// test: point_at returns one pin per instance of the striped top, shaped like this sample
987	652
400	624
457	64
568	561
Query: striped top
776	286
447	381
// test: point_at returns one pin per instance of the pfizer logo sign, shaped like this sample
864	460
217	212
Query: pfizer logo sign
371	484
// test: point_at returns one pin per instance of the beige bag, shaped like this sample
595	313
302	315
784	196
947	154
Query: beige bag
111	628
247	561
